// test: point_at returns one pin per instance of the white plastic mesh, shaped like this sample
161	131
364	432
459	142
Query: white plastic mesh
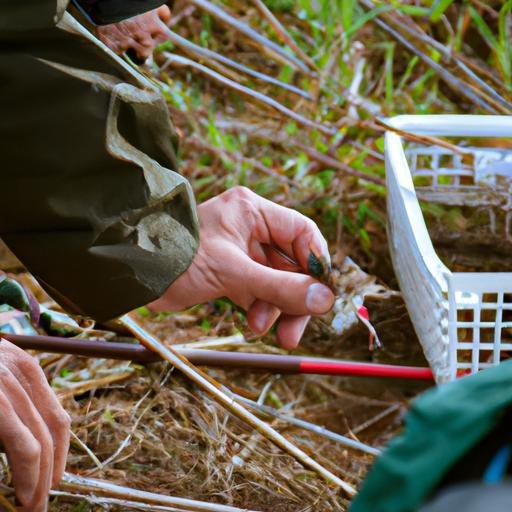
479	320
478	177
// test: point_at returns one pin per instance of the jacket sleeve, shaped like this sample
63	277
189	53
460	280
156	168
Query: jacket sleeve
103	12
91	203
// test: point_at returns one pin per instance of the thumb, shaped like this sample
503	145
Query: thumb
293	293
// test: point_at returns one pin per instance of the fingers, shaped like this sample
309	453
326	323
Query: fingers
56	419
261	316
292	293
164	13
28	443
33	381
23	451
290	330
137	36
291	231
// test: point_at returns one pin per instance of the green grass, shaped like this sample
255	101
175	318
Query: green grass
336	35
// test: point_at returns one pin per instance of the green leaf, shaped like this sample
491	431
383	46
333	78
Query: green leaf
205	180
365	18
379	144
439	8
365	238
504	34
483	28
388	69
347	7
144	311
291	128
108	416
413	10
65	372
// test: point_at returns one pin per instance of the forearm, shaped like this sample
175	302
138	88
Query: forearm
93	207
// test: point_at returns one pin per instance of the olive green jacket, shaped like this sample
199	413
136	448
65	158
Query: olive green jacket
91	202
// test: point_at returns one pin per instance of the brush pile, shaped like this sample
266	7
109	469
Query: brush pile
285	98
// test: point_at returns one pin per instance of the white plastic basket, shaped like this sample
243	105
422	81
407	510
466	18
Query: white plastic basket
459	317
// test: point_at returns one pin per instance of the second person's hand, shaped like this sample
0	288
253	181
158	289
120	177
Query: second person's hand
139	35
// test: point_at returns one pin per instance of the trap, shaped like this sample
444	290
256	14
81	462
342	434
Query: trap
463	319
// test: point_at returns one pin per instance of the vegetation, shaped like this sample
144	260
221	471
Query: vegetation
304	128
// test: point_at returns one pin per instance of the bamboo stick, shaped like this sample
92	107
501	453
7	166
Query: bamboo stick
75	483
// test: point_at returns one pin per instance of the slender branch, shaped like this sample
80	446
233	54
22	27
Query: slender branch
282	33
215	390
197	50
75	483
333	163
428	140
275	50
306	425
180	61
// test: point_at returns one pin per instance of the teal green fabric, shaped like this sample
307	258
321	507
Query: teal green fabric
92	203
442	425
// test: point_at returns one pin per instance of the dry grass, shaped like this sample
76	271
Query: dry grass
317	150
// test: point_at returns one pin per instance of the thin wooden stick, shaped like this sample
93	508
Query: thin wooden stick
422	139
75	483
214	389
242	89
275	50
282	33
333	163
311	427
455	83
197	50
125	504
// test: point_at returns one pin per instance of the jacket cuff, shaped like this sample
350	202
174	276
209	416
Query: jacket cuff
105	12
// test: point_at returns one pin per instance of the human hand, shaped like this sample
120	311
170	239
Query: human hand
34	428
140	34
239	232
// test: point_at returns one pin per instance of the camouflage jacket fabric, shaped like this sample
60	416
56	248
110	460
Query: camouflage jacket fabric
102	12
91	200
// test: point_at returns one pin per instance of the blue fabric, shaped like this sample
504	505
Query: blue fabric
498	466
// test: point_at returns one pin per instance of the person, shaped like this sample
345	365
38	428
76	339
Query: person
94	208
454	452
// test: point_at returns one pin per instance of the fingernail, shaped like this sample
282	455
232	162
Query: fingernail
319	299
265	317
322	249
